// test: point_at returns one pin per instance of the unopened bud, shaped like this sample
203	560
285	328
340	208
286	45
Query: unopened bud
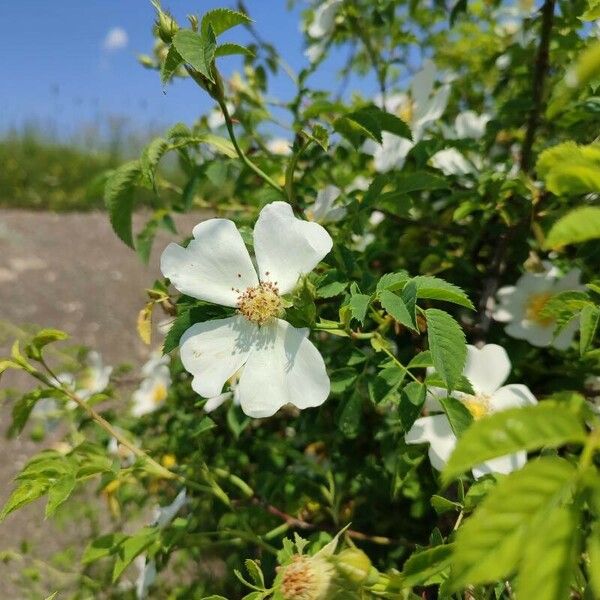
353	564
146	61
166	26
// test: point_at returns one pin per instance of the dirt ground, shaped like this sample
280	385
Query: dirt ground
70	272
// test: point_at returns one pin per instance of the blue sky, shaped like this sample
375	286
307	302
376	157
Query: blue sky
58	75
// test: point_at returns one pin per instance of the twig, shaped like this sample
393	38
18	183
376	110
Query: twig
539	76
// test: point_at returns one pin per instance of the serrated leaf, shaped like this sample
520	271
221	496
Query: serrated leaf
170	65
423	359
151	155
588	325
59	492
593	553
342	379
197	50
392	281
442	505
412	399
255	572
458	415
489	545
447	345
222	19
229	49
220	143
423	565
25	492
409	297
554	536
349	420
359	304
579	225
529	428
118	197
419	181
434	288
394	306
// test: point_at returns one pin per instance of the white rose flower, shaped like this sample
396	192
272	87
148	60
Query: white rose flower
324	18
451	162
521	306
468	124
418	110
280	365
233	393
147	568
279	146
323	209
153	391
487	368
95	377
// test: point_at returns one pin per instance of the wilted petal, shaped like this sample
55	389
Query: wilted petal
287	247
214	350
214	265
284	367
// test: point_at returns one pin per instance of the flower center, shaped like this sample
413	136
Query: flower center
478	406
261	303
306	579
534	307
159	393
406	111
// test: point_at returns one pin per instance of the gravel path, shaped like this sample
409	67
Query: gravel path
70	272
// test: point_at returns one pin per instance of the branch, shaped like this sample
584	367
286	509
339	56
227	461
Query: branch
539	76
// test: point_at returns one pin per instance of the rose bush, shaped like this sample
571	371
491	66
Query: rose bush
379	375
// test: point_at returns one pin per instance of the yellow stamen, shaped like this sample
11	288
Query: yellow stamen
406	111
261	303
159	393
535	306
478	406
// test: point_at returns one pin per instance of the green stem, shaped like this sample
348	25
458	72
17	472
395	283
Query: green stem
384	349
240	152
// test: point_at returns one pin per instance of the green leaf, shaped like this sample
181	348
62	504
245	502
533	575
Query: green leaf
579	225
369	122
102	547
591	14
21	411
25	492
593	553
442	505
118	197
419	181
490	543
130	547
52	596
386	382
342	379
447	345
151	155
392	281
423	360
349	420
220	143
197	50
229	49
588	320
409	297
359	304
412	399
458	415
255	572
425	564
222	19
394	306
41	339
172	62
434	288
570	169
529	428
331	284
554	537
59	492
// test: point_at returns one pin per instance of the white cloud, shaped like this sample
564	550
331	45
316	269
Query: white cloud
115	39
